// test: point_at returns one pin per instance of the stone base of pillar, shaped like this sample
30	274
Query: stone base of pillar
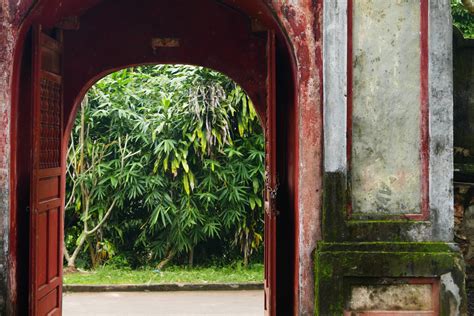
400	278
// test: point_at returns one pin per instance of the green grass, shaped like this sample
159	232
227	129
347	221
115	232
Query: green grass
112	275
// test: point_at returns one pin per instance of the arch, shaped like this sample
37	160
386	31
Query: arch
249	18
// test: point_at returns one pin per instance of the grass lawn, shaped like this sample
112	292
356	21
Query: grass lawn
110	275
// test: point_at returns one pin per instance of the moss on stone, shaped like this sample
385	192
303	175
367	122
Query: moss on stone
339	227
336	263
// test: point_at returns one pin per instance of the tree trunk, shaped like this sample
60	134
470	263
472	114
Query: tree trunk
165	261
92	254
71	262
191	257
246	255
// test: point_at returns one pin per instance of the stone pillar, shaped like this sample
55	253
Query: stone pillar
388	200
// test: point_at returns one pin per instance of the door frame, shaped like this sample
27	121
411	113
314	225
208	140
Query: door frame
15	284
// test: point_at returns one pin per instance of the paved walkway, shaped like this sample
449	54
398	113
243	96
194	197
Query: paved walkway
197	303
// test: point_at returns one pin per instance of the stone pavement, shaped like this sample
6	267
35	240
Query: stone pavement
195	303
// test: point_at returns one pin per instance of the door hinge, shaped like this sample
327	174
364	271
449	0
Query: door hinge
272	194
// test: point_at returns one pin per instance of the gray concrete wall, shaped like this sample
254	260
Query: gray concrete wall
441	120
386	107
386	124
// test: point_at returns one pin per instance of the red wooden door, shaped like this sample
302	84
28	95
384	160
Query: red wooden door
46	220
271	181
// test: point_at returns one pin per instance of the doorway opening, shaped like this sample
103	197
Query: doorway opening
165	181
63	52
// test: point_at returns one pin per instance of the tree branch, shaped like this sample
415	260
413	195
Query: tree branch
109	211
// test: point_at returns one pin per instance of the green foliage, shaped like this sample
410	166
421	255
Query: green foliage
462	19
181	152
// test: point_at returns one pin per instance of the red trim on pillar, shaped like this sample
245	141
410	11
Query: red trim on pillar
425	137
349	96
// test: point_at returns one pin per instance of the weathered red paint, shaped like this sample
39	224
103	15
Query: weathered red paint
424	117
228	54
8	177
302	21
298	29
271	172
424	108
350	85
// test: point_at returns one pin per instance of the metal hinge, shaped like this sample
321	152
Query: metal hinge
272	192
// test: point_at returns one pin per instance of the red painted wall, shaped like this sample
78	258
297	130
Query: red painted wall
114	35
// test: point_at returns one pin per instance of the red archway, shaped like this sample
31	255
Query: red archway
102	36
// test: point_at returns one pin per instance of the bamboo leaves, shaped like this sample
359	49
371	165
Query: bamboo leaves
179	152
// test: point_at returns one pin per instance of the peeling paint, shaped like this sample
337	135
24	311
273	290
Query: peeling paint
401	297
302	20
7	41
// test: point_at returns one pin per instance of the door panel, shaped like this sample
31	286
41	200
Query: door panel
46	232
271	181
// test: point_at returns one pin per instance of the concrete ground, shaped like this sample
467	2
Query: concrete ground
228	303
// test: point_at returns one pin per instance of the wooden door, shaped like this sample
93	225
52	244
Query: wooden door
271	181
46	220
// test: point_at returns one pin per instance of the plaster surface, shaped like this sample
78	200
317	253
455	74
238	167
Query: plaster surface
440	84
405	297
335	39
386	164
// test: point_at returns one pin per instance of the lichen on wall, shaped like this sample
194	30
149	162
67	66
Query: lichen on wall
386	164
400	297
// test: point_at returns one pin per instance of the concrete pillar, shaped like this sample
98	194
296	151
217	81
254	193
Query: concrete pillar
388	200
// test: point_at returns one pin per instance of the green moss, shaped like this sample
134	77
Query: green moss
338	227
338	265
387	246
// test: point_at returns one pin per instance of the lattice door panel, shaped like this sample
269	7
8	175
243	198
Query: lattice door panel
50	130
